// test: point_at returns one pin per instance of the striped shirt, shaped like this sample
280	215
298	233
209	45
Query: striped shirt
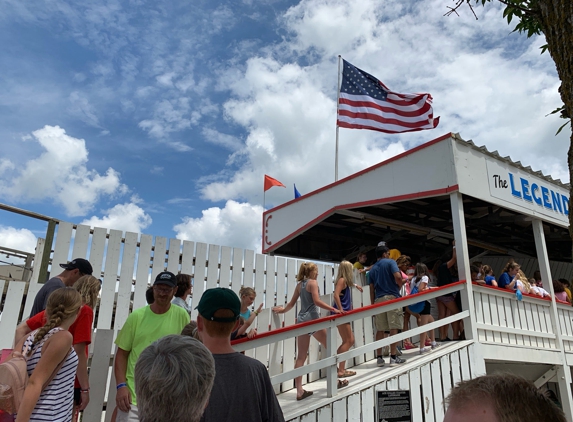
57	399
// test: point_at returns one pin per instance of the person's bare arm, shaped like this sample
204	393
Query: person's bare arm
313	287
339	287
454	258
82	374
290	305
399	279
21	332
53	352
123	396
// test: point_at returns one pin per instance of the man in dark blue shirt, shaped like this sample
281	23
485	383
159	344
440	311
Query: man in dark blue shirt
385	283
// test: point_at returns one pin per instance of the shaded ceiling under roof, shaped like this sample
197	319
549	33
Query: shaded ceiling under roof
422	229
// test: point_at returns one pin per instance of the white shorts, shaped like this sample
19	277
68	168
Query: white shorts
131	416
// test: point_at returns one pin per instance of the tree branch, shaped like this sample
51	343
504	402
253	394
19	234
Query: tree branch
523	9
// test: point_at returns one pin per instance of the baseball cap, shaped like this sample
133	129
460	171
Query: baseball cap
219	298
81	264
167	278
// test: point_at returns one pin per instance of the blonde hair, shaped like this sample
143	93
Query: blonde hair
88	286
247	291
306	268
525	281
345	271
63	304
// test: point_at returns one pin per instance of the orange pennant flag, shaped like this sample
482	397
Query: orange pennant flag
270	182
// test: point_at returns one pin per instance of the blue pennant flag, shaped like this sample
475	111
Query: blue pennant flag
296	192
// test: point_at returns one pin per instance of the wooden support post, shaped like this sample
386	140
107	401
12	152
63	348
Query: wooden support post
564	372
331	371
43	273
459	223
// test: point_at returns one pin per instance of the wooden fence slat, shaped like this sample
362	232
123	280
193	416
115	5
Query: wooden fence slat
353	408
97	250
368	408
33	289
263	321
237	272
249	270
213	267
260	276
109	280
270	282
81	240
99	371
10	313
159	252
125	280
418	404
142	274
276	350
455	367
324	414
320	279
281	298
199	280
225	271
368	324
173	254
358	325
465	364
446	372
36	268
292	271
62	247
427	393
339	411
437	389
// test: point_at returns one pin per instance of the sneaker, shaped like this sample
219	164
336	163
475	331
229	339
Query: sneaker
386	351
398	350
380	361
424	350
397	361
435	345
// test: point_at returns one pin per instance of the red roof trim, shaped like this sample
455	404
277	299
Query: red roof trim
418	195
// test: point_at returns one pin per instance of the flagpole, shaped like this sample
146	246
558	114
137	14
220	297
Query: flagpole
337	109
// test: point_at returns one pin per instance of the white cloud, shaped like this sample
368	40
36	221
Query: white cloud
489	85
218	138
19	239
60	174
125	217
237	225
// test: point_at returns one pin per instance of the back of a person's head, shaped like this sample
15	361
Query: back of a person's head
513	398
190	330
173	380
558	287
220	329
381	250
305	270
89	287
62	304
183	284
403	260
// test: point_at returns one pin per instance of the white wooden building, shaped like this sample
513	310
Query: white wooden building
418	202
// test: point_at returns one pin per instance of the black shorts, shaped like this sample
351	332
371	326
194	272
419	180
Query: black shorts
427	308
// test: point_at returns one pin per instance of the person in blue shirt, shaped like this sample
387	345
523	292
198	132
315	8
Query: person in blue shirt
386	280
508	280
489	277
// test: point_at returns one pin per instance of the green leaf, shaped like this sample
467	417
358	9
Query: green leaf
564	124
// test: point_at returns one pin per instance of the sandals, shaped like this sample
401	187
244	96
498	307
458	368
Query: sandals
347	374
342	383
306	394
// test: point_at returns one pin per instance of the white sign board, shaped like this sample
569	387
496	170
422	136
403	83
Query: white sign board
526	190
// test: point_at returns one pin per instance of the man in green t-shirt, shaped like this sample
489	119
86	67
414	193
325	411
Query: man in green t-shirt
143	327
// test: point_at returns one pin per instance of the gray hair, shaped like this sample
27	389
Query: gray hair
173	380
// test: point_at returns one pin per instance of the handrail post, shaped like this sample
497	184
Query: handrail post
43	272
564	374
331	371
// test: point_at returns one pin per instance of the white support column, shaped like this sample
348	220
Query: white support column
563	373
459	223
331	371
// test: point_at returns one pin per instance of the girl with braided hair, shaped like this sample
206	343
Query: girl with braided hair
88	286
51	360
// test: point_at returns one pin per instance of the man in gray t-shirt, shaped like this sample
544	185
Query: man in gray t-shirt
73	270
242	390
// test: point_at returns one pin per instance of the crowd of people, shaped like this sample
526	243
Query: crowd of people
168	367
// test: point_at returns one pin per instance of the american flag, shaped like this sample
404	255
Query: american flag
366	103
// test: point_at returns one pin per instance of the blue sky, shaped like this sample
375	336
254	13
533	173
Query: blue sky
162	117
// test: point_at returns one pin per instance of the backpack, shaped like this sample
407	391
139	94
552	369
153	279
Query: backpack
14	378
416	308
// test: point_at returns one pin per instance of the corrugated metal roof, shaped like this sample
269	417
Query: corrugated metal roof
495	154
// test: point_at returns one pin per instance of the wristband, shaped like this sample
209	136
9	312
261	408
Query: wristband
121	385
86	390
